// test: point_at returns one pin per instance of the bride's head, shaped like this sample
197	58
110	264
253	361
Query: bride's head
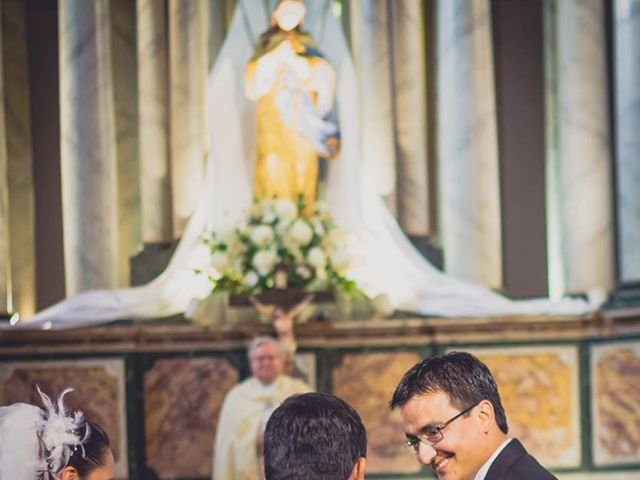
93	460
52	443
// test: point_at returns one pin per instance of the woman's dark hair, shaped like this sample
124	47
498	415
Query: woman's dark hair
95	446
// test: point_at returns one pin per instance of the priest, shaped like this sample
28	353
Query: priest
248	405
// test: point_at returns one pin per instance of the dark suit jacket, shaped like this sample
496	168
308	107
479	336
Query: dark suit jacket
514	463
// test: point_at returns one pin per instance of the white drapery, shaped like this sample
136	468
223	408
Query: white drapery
385	261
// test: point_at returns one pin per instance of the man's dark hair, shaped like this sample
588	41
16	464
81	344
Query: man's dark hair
464	378
313	437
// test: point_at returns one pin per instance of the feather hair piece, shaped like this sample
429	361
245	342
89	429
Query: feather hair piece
60	432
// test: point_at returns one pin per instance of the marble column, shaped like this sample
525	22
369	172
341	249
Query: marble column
469	193
578	160
627	88
19	161
89	172
5	254
409	80
153	110
188	61
372	54
125	82
218	19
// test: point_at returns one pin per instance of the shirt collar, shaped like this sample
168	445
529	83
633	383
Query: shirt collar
485	468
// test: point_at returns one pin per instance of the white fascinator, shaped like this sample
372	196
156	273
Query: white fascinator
36	443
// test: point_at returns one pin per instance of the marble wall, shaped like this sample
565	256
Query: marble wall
539	391
367	382
182	400
171	434
615	379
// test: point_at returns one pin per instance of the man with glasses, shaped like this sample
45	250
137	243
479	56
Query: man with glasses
455	423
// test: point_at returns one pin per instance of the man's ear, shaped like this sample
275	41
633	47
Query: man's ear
358	469
68	473
486	415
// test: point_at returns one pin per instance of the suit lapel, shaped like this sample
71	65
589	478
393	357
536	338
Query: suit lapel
507	457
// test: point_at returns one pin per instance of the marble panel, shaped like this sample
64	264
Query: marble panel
182	399
366	382
540	394
615	379
99	392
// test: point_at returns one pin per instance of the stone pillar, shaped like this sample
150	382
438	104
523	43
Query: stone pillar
372	56
89	176
627	88
468	167
578	160
409	78
153	110
5	247
125	83
187	72
19	163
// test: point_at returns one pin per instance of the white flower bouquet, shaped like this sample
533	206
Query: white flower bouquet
281	247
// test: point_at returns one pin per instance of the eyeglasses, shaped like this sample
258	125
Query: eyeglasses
433	434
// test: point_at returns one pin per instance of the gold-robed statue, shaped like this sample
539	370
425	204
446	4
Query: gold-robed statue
294	87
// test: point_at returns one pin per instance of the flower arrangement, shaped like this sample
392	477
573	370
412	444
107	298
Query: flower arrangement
280	246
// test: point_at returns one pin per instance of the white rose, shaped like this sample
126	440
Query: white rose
318	228
264	261
268	216
317	258
262	235
286	210
282	227
301	232
251	279
220	261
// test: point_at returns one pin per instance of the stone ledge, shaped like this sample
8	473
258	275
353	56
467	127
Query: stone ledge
178	334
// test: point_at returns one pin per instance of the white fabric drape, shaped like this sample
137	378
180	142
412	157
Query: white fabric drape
385	260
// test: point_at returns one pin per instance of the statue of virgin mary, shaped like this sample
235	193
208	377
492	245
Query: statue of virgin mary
386	262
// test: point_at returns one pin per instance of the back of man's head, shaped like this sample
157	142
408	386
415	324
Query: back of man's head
314	437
